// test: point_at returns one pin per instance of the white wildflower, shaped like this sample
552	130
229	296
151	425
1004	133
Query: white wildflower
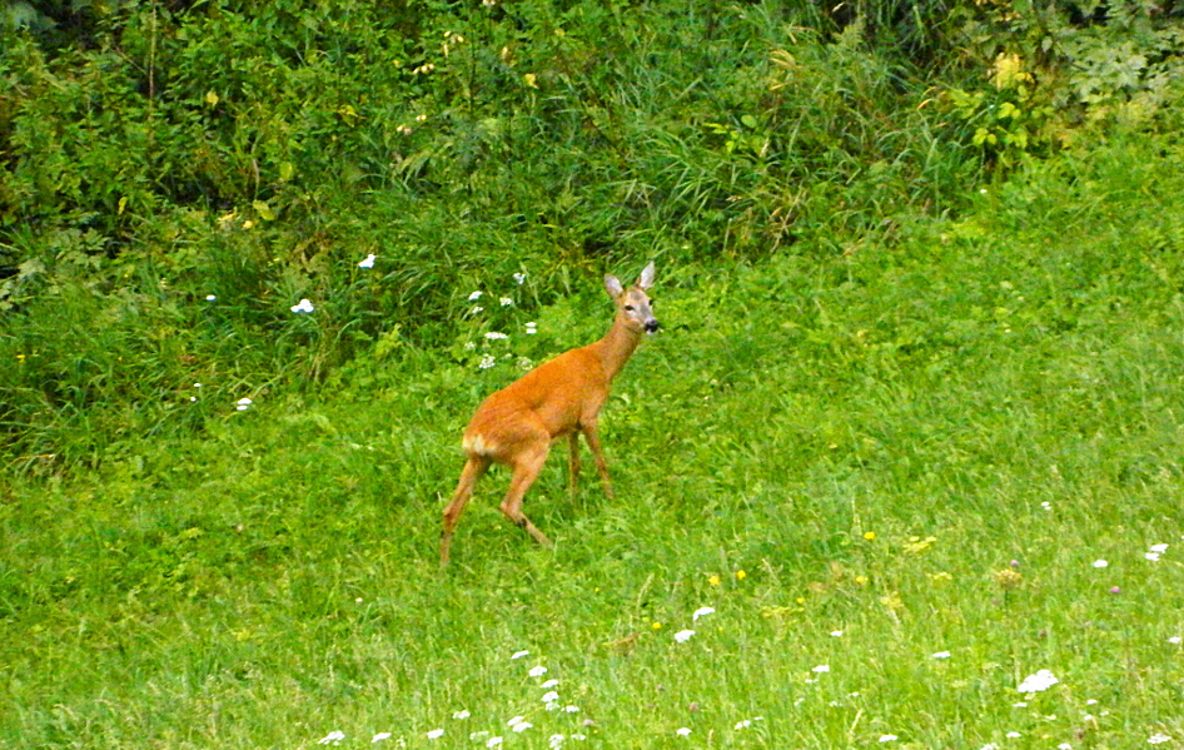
550	683
387	735
941	655
571	709
461	714
520	278
506	301
888	738
1158	738
486	362
1100	563
475	296
1159	548
702	612
243	403
821	668
1174	639
683	732
1035	683
537	671
836	633
495	336
550	697
522	726
303	306
493	742
1152	556
332	737
368	261
435	734
683	636
1013	735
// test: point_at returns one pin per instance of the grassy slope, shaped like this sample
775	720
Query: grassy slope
275	579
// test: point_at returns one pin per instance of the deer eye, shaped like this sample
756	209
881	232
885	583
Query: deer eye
629	308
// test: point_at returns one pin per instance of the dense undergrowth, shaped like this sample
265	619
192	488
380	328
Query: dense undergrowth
178	175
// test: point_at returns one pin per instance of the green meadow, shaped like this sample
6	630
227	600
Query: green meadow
903	467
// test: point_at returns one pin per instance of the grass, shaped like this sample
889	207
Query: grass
859	462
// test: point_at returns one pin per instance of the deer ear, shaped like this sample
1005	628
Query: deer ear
646	280
613	285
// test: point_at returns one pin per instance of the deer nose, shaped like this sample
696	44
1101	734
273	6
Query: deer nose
652	325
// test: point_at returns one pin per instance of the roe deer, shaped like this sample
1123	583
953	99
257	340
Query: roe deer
516	425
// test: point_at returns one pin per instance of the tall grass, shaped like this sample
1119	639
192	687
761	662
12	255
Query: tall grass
902	465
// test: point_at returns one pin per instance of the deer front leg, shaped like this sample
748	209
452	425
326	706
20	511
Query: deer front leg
593	439
573	462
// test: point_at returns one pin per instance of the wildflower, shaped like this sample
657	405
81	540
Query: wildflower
1091	702
1160	548
1158	738
519	655
861	580
990	746
531	328
368	261
1100	563
713	580
1174	639
515	721
683	636
506	301
495	336
916	545
486	362
550	697
1152	556
870	536
435	734
493	742
549	683
683	732
1013	735
836	633
489	3
571	709
656	626
303	306
1038	682
522	726
745	724
555	741
821	668
520	278
1021	704
422	117
404	130
461	714
1064	746
243	403
1008	579
210	298
942	655
888	738
741	575
1046	505
702	612
1115	590
332	737
475	296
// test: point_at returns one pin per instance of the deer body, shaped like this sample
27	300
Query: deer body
516	425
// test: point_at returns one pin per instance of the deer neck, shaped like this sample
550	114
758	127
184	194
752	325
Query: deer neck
616	347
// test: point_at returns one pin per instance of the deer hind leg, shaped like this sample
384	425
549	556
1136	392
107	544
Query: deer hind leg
474	469
593	440
526	465
573	461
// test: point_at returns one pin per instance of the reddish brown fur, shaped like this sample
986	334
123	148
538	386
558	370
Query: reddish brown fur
516	425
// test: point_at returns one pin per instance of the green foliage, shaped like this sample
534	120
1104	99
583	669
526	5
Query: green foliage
870	439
